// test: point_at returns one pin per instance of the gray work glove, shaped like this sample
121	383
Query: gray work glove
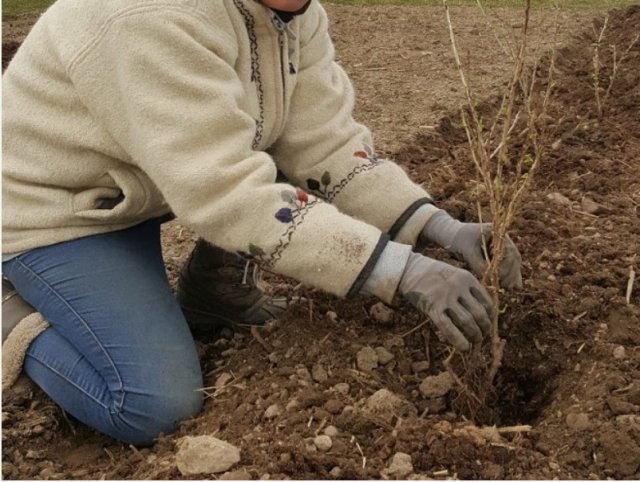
464	240
453	298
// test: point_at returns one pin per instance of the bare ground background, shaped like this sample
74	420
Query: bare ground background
571	368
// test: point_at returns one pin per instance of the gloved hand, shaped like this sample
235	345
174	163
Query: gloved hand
453	298
464	240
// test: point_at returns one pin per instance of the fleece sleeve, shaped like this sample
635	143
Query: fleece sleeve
323	149
162	83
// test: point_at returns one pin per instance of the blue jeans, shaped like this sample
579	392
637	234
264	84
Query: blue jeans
118	355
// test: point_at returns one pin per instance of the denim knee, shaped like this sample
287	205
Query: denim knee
140	422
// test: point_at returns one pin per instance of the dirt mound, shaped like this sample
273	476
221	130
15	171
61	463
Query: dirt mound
333	368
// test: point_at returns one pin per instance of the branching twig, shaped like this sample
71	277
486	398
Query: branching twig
616	66
596	65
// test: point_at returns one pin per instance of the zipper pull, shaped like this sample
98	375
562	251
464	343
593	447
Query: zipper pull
278	23
282	26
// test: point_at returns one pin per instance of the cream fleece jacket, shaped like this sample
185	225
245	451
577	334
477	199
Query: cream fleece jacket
116	112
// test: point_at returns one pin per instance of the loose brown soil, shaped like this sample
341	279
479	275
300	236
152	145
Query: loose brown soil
572	360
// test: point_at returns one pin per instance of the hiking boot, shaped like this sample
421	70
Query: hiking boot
217	288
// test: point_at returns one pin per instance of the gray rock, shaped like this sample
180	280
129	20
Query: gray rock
303	375
420	366
401	466
437	386
319	374
367	359
331	431
205	455
336	472
292	405
285	458
331	316
236	475
619	352
381	313
590	206
558	198
273	411
342	388
323	443
385	404
393	342
578	421
384	355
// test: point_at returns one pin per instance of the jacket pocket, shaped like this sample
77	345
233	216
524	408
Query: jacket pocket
117	195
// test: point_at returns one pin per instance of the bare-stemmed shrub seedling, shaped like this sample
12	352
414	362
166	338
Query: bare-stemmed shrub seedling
616	62
506	147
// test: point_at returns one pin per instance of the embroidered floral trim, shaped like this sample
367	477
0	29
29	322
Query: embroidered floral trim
298	206
256	77
322	186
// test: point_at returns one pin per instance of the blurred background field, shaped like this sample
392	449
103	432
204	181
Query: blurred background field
11	8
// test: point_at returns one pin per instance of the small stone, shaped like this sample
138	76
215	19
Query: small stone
620	407
303	374
342	388
558	198
336	472
229	352
591	207
285	458
385	404
384	355
437	386
578	421
236	475
319	374
381	313
421	366
401	466
292	405
393	342
493	472
331	431
333	406
274	358
554	466
323	443
331	316
205	455
34	454
619	352
634	394
367	359
273	411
